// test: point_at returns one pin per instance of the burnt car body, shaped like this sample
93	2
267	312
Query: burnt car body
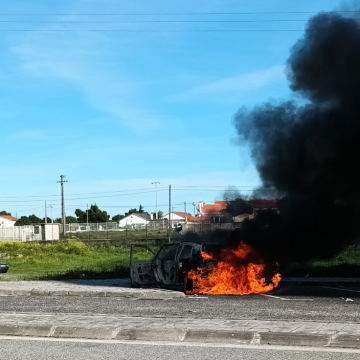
168	267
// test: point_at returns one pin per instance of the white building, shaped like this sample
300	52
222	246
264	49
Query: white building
177	216
7	221
40	232
135	220
46	232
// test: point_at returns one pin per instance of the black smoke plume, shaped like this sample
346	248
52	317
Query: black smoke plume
309	150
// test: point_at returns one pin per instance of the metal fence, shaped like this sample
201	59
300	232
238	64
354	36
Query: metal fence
114	226
158	229
17	233
112	231
155	230
209	226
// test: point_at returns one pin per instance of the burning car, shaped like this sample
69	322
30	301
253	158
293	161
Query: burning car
169	266
203	268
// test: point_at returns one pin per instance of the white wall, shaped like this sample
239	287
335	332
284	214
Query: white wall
6	223
174	217
132	220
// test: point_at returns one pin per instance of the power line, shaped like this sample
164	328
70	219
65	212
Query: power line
82	198
180	13
190	188
149	21
90	193
152	30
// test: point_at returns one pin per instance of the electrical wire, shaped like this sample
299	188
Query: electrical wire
153	31
181	13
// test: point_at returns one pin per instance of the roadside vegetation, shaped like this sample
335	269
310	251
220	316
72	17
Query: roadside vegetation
69	260
62	260
345	264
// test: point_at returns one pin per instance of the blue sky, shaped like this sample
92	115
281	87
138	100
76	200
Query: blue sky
115	111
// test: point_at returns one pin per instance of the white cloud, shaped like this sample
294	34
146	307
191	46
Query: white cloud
235	84
84	62
39	135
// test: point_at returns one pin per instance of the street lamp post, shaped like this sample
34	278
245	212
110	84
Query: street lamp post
156	212
194	203
126	226
52	221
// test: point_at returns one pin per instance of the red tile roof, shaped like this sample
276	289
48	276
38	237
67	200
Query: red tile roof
213	209
9	217
197	218
263	204
218	206
182	214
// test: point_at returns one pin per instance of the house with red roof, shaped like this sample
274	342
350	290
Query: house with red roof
213	212
7	221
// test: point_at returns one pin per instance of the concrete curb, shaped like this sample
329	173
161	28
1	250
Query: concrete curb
93	293
120	288
184	335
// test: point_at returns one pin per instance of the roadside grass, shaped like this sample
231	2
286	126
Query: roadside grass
65	260
68	260
345	264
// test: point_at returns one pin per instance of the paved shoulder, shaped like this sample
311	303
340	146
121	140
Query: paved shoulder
98	288
186	329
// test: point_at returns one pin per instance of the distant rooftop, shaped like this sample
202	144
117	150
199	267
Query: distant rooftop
9	217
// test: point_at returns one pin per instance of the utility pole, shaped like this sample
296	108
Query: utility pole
45	213
169	213
51	206
185	211
62	202
52	222
156	212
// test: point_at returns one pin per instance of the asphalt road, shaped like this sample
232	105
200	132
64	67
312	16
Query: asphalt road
286	303
41	349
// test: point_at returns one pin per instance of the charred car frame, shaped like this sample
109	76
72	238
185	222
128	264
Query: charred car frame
169	266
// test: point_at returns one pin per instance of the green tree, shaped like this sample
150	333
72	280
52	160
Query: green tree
68	219
4	213
28	220
24	220
134	210
94	213
117	217
160	214
34	219
131	211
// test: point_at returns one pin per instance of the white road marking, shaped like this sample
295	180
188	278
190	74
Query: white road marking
196	297
285	299
341	289
272	296
188	344
298	299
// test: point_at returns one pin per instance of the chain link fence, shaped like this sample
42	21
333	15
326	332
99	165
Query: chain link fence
154	230
17	233
112	231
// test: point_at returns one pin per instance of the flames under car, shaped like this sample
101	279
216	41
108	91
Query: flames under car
169	266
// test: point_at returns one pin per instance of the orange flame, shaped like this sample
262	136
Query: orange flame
232	274
206	256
